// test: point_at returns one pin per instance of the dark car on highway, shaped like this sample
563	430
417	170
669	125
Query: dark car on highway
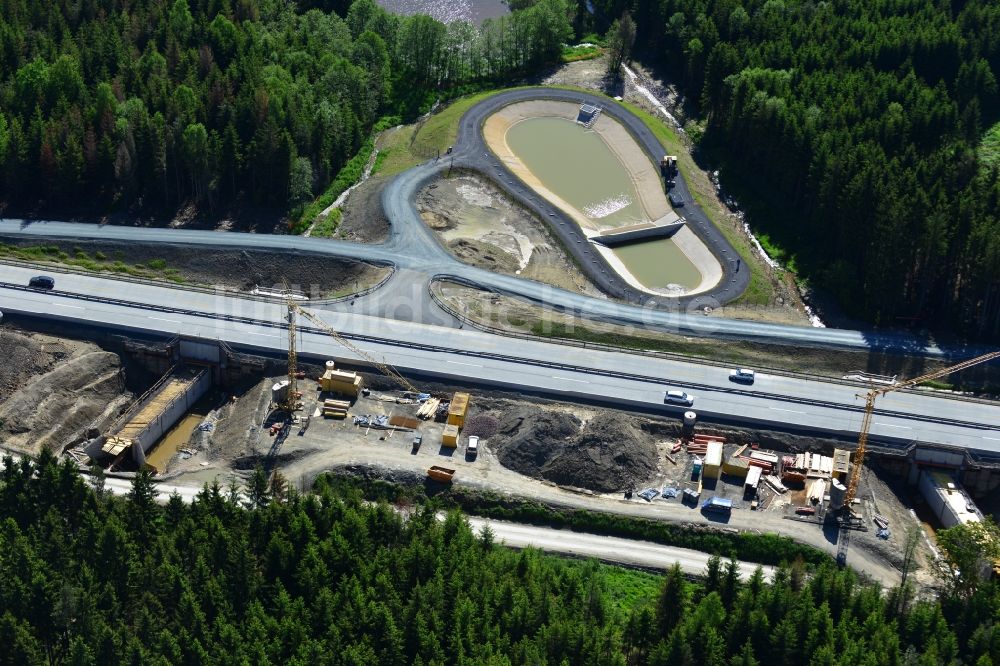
675	200
42	282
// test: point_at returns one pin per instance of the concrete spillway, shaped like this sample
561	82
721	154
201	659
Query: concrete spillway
157	411
665	227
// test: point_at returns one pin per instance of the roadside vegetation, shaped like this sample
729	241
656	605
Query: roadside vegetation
758	548
154	269
279	577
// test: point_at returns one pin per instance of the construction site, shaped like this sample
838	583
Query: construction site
195	412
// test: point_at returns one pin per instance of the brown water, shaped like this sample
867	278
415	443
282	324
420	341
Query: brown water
176	438
576	165
657	263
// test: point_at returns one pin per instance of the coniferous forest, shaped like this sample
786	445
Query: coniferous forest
325	578
149	104
852	130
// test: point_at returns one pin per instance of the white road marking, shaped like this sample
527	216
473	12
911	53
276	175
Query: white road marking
473	365
995	439
570	379
791	411
263	335
889	425
64	305
172	321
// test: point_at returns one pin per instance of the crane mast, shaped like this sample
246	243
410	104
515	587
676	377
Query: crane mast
866	421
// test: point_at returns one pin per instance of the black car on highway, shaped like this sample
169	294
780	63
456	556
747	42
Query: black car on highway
42	282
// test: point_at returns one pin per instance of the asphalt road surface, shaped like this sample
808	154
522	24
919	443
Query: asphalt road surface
411	246
615	379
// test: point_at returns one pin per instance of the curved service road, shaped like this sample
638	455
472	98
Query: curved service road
414	249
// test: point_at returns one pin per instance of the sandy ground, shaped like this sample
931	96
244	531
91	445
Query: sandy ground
328	444
645	177
236	444
53	389
484	228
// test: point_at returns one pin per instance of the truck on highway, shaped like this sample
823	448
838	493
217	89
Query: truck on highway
718	504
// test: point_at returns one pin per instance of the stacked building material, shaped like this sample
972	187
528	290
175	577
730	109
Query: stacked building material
336	409
428	409
766	461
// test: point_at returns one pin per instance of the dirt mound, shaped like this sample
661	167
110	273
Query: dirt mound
484	255
52	408
482	425
605	455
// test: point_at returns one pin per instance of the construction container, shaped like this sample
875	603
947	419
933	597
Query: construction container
458	408
736	466
753	479
338	381
443	474
841	462
449	437
713	460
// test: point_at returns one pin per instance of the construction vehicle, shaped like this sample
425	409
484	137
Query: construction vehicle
848	518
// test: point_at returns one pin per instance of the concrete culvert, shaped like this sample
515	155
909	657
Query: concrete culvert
606	455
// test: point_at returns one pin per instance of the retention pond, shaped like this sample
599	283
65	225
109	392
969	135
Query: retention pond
577	165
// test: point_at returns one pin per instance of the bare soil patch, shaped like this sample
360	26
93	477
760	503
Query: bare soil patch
53	389
481	226
605	455
362	218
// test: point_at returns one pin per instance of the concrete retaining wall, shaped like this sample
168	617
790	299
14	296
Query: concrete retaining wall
170	414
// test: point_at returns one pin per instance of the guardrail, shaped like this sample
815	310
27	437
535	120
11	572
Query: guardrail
671	356
187	286
495	356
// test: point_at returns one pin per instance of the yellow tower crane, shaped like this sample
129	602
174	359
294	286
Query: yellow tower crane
385	368
866	422
875	392
291	403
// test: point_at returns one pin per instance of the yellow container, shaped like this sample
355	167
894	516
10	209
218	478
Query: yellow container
449	437
457	409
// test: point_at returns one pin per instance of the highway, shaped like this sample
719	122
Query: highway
615	379
414	249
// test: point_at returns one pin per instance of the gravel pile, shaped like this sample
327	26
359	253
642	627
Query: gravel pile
482	425
606	455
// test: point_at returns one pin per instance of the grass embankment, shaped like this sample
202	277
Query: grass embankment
348	175
408	146
154	269
760	289
746	546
